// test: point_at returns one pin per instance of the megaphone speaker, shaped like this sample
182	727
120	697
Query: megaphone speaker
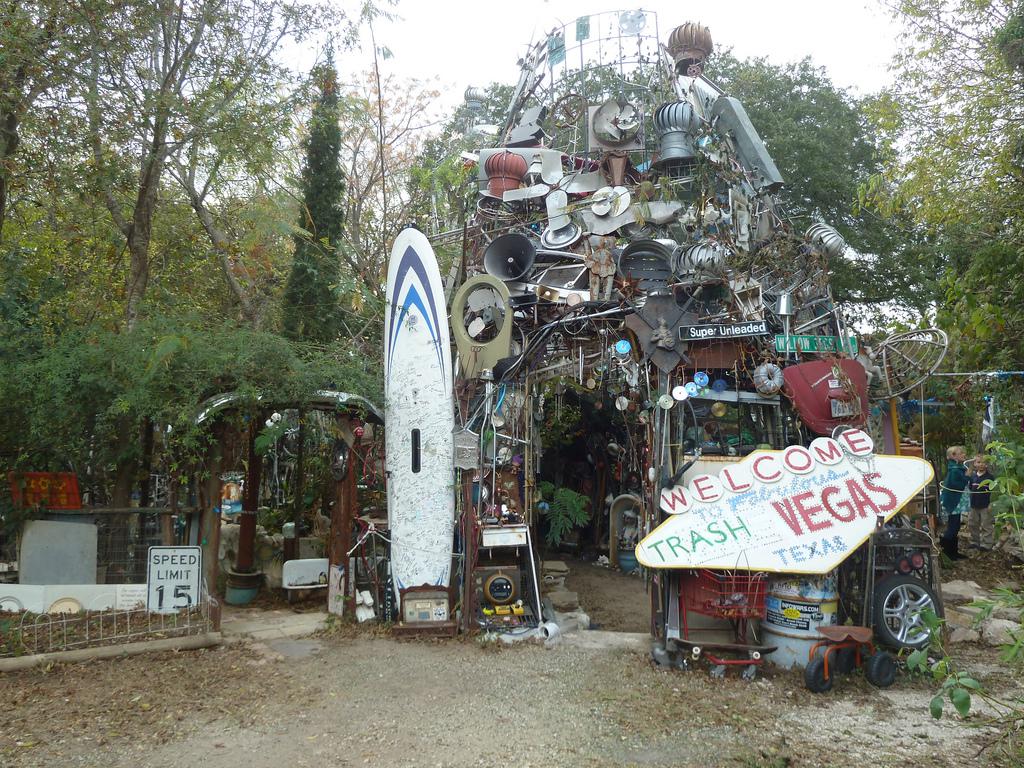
510	257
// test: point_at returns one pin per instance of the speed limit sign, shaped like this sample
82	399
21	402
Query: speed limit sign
174	577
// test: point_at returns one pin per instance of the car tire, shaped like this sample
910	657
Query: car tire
899	600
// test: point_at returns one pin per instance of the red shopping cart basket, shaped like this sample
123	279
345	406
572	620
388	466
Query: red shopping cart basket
723	595
735	597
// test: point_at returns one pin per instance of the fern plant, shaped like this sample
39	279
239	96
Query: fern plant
564	510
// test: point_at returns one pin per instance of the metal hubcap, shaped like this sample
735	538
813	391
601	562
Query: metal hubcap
902	612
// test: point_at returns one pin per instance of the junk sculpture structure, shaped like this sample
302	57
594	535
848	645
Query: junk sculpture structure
628	258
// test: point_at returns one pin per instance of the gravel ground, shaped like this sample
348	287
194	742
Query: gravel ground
349	699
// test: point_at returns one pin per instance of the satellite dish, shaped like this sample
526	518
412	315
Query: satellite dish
907	359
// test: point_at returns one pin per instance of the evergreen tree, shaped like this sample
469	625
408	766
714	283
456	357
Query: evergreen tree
311	310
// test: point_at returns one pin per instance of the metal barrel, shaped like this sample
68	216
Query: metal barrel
794	610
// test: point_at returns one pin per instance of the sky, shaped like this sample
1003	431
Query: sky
467	42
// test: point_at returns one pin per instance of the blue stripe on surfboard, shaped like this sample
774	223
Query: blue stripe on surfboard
413	300
411	261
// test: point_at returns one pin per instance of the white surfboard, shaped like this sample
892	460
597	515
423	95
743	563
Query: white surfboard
418	416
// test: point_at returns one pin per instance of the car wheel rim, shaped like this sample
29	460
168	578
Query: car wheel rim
902	611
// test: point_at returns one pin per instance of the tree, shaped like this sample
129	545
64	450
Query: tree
442	188
40	46
953	128
956	111
825	147
230	171
311	309
68	399
184	69
379	147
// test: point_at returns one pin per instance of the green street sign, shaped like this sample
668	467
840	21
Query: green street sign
583	28
813	344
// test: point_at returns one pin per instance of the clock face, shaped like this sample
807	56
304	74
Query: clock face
616	122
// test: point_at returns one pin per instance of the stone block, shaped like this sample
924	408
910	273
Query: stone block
573	620
960	591
961	635
565	601
997	631
962	616
553	584
1010	614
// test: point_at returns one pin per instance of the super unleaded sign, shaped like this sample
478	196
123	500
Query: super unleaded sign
713	332
801	510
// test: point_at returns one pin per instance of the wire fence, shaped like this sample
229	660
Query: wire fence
34	633
123	539
122	543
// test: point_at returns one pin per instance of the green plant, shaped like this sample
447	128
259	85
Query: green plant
271	519
1007	459
1004	716
269	435
561	430
564	510
933	660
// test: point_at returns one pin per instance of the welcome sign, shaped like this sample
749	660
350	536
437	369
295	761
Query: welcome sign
801	510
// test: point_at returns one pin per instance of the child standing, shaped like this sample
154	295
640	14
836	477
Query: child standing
981	523
953	486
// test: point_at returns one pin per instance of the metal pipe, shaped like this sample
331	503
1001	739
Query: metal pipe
533	572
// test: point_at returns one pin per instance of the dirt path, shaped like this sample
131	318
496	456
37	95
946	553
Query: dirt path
373	701
613	600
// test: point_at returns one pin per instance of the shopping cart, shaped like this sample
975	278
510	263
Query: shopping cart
734	597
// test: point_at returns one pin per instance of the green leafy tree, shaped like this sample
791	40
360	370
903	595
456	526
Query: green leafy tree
165	87
953	133
311	308
229	173
825	147
67	399
41	44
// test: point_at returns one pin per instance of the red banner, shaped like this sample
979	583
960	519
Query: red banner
51	490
